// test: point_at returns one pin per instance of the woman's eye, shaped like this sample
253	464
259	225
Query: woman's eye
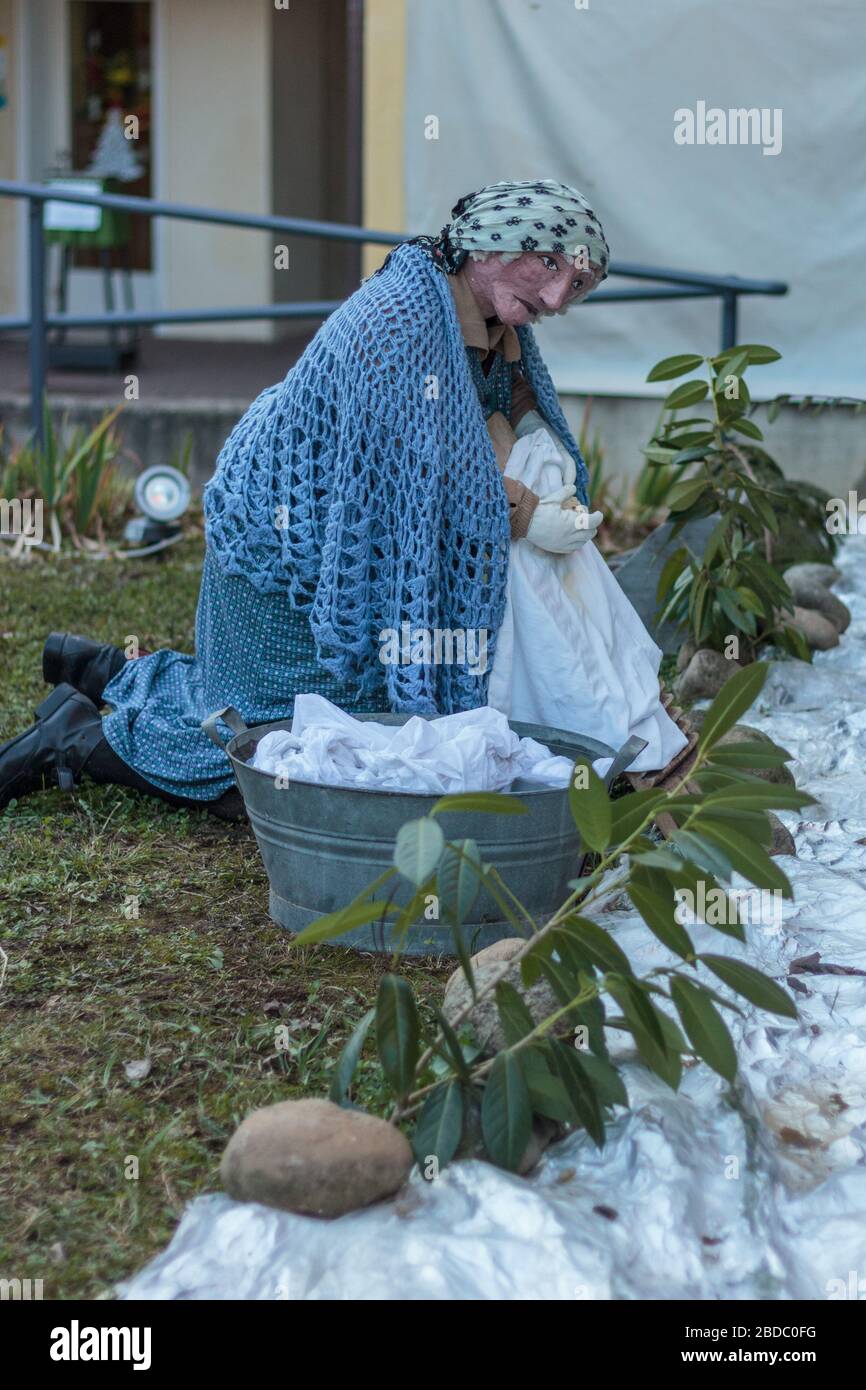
549	263
577	284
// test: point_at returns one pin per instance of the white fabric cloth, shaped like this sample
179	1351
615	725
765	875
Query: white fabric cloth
572	652
472	751
590	95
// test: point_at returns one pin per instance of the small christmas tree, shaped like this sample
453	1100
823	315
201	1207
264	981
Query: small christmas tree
113	157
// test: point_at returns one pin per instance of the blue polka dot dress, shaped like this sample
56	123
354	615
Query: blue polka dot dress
254	651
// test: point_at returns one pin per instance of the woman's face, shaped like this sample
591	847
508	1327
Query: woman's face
537	283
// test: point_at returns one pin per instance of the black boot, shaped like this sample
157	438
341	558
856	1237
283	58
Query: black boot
77	661
107	767
54	749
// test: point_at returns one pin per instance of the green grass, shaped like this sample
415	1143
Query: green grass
198	982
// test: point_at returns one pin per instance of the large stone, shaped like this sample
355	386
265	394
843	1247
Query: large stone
704	676
818	599
819	632
639	575
685	654
744	733
811	573
783	840
483	1019
313	1157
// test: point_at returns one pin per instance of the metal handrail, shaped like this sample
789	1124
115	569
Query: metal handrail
673	284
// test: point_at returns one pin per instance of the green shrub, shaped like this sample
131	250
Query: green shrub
735	586
430	1068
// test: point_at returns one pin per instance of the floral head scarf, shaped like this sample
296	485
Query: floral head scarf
536	215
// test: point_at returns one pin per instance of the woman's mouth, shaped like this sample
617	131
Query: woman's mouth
531	309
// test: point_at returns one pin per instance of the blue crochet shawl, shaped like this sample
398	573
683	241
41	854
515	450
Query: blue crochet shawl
365	486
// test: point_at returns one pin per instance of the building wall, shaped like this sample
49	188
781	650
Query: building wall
384	105
10	116
214	148
311	150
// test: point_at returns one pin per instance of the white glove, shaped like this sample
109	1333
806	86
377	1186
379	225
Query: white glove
560	525
531	422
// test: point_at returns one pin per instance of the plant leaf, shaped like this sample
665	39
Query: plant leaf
748	858
547	1095
397	1032
671	367
345	1068
752	984
759	354
688	394
506	1114
747	427
702	853
596	943
440	1126
450	1047
704	1027
736	696
759	795
590	805
750	755
580	1089
609	1085
516	1020
645	1025
629	812
653	897
418	849
347	918
458	878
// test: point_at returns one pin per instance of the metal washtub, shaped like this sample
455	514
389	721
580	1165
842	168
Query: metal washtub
322	845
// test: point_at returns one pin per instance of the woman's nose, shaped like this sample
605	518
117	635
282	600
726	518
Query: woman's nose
555	293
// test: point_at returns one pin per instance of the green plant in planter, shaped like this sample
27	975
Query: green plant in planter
735	587
433	1074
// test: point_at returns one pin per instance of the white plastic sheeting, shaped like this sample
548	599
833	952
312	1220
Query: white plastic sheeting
699	1194
587	93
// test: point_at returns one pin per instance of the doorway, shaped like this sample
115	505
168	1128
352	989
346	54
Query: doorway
316	141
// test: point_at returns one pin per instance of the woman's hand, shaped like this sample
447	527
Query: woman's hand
560	524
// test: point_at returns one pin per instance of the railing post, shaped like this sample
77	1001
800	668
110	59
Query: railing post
729	319
37	319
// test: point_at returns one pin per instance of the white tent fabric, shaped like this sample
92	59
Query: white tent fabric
545	88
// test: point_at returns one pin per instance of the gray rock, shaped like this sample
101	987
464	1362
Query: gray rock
812	574
783	840
704	676
686	652
819	599
313	1157
483	1020
639	575
819	632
